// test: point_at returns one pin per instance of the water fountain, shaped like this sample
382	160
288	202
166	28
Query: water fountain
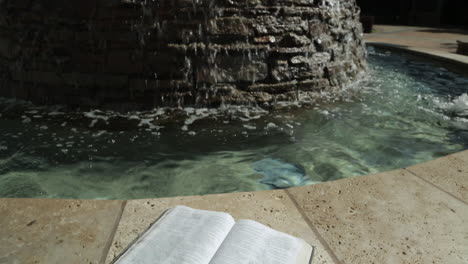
177	52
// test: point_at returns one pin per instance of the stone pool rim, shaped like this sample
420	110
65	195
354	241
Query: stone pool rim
454	62
317	213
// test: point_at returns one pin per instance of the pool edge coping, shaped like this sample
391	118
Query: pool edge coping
297	196
453	61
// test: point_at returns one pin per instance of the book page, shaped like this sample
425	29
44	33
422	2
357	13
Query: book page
182	236
252	242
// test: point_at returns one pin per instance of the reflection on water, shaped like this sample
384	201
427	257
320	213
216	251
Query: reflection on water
406	112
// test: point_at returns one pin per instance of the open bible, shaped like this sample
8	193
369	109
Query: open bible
183	235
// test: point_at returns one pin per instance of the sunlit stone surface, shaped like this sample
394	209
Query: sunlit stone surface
178	52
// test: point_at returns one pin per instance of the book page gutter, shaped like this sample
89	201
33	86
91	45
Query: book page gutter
183	236
252	242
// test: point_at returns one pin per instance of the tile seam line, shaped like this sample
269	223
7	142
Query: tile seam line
435	186
112	233
314	230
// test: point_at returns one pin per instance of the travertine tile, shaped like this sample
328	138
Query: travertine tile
392	217
55	231
272	208
463	155
448	173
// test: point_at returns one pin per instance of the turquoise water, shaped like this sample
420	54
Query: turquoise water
405	112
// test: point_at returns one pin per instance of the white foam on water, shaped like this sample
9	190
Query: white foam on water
249	127
100	133
96	114
55	113
149	124
93	123
270	126
458	107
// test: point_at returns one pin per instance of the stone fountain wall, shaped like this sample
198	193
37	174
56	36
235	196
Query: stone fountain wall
177	52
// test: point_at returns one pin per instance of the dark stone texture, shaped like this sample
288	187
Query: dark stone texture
177	52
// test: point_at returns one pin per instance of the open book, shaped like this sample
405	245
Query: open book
188	236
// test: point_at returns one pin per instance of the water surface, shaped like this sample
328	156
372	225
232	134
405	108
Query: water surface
406	112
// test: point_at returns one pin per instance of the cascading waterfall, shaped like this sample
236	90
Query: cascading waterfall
147	53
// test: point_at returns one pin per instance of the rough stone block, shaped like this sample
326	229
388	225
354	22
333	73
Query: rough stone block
281	71
98	45
277	25
313	85
8	48
230	26
294	40
88	62
231	70
124	61
113	81
50	78
158	63
276	88
317	28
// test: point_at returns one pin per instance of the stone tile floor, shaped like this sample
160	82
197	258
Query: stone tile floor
393	217
56	231
413	215
444	40
272	208
436	44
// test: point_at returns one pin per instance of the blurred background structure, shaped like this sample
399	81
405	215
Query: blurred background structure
439	13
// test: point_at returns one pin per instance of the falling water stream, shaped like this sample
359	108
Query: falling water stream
405	112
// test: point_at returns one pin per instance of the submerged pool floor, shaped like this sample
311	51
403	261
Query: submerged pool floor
405	112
